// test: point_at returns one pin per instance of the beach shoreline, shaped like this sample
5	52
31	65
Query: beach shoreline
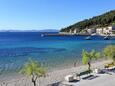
58	75
52	77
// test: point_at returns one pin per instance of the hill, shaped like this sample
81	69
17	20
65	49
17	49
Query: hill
103	20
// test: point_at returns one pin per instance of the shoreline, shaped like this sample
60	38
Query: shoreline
52	77
58	75
73	65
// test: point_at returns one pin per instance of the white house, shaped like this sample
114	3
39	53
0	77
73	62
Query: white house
75	31
99	31
91	30
106	30
70	31
109	30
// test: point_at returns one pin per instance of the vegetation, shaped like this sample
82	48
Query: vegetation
87	57
34	70
103	20
109	52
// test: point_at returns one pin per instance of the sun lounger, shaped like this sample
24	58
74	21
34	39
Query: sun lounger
84	74
69	78
109	65
96	71
110	68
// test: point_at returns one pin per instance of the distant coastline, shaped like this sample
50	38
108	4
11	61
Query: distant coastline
45	30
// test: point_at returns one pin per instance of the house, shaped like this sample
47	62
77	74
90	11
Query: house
75	31
91	30
70	31
106	30
112	29
109	30
99	31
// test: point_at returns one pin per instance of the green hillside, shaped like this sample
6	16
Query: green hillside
103	20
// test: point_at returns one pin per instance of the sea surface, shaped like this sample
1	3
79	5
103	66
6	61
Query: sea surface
52	51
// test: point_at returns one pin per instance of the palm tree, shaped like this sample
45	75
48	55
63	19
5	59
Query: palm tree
109	51
87	57
34	70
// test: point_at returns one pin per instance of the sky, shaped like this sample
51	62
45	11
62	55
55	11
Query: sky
49	14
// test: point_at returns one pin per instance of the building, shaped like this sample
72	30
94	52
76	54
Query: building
109	30
75	31
99	31
106	30
91	30
70	31
112	29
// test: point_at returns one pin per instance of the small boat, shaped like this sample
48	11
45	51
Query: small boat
106	38
88	38
94	34
42	35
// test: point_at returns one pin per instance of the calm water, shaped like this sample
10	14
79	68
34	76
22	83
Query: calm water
53	52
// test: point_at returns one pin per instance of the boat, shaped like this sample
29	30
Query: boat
42	35
94	34
106	37
88	38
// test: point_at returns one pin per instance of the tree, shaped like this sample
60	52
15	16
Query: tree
87	57
103	20
109	52
34	70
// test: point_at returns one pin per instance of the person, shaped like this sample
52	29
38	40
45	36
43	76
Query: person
75	64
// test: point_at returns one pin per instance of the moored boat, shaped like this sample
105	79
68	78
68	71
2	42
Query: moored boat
106	37
42	35
88	38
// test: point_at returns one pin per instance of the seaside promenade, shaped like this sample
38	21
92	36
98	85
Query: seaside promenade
58	76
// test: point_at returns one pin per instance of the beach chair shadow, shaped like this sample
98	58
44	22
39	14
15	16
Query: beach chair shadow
54	84
93	77
105	71
102	72
74	81
90	77
112	70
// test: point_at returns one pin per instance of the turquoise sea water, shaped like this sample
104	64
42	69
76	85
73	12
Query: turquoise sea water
52	51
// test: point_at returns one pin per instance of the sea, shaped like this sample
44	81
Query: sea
53	52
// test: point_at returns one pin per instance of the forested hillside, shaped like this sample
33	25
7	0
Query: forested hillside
103	20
